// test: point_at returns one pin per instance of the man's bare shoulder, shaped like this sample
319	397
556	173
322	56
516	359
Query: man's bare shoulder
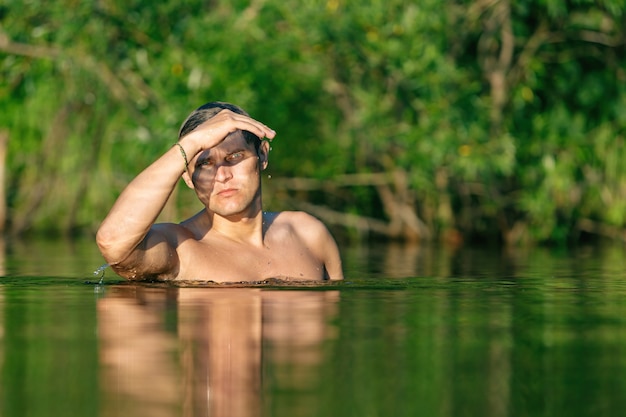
314	234
300	220
307	227
193	227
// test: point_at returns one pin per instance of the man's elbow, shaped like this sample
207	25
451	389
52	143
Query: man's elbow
110	244
103	238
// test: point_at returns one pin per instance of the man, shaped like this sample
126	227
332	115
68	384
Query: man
220	154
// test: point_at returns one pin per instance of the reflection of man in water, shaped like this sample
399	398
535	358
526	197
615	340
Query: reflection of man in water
220	154
219	352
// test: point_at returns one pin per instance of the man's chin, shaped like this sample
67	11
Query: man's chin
233	208
229	211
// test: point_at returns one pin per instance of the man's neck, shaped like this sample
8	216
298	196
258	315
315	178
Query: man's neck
244	227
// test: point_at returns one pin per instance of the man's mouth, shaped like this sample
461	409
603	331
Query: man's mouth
227	192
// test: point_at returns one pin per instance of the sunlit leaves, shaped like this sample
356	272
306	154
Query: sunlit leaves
351	87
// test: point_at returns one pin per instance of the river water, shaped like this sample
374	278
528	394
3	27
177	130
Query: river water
412	331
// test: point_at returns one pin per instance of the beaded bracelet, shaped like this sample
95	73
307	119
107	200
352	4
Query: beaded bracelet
184	154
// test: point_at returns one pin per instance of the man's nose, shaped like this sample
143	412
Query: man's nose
223	172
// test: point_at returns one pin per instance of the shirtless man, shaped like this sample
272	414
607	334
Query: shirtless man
220	154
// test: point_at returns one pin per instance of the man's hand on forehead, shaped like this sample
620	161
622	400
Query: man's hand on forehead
224	124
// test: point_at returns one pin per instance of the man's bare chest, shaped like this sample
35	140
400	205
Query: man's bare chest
232	262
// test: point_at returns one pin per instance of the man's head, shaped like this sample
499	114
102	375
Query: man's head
226	177
207	111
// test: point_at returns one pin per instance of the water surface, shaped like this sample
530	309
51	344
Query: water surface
413	331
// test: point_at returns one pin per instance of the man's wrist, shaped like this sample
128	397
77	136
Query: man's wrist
183	154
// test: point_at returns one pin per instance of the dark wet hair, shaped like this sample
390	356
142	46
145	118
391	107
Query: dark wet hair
207	111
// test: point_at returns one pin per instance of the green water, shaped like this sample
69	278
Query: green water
411	332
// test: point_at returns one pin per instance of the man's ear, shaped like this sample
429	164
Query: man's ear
264	153
188	180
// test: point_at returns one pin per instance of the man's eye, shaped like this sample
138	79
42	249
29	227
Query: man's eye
234	156
205	163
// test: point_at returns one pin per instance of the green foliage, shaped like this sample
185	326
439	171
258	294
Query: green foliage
92	92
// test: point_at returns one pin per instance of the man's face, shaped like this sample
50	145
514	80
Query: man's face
227	177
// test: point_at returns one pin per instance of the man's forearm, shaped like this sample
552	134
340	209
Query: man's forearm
139	205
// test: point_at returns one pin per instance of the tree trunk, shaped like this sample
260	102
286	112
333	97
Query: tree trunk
4	142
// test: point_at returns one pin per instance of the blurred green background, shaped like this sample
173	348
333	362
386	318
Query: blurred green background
445	120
